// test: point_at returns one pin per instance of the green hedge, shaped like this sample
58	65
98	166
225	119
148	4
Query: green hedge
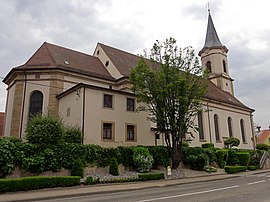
234	169
222	156
208	145
150	176
244	158
252	167
262	147
29	183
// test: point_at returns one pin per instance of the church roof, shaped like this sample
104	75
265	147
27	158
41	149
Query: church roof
216	94
122	60
51	56
211	38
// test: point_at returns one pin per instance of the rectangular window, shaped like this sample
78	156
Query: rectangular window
131	132
130	104
107	101
107	131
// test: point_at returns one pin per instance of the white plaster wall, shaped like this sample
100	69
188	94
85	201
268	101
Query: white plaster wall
73	101
104	58
223	113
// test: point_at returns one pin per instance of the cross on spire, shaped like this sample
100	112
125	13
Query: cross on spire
208	6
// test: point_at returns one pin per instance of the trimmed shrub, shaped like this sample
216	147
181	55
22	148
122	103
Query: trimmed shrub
126	156
222	156
211	154
160	155
150	176
142	159
188	151
44	130
232	142
105	156
202	161
191	160
73	134
198	162
113	169
244	158
234	169
77	168
232	159
40	182
262	147
208	145
252	167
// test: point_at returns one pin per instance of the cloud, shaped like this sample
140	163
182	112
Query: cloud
134	25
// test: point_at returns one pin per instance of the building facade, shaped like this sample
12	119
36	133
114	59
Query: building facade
93	92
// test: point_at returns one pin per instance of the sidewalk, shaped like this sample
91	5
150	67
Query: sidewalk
53	193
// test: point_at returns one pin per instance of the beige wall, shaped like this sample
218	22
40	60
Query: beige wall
74	104
96	114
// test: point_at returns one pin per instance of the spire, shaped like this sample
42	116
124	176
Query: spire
211	34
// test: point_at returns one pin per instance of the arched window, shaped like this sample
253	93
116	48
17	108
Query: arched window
200	125
208	66
224	66
230	127
216	127
36	102
242	126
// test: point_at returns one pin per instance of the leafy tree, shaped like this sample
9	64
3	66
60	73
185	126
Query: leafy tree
170	87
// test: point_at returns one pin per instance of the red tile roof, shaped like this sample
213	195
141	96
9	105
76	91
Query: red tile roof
122	60
52	55
262	137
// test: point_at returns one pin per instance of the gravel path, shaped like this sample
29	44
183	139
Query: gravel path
175	174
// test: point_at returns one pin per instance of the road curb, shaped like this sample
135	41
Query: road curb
119	187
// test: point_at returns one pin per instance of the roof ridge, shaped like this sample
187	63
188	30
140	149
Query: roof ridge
118	49
69	49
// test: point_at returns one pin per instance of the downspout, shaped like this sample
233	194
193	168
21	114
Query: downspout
252	130
23	103
83	115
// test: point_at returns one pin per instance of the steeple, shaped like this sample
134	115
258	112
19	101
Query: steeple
211	38
214	59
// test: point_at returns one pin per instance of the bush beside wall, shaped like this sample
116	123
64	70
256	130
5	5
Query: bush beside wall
234	169
29	183
150	176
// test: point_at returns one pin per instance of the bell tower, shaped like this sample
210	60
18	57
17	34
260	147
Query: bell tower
214	59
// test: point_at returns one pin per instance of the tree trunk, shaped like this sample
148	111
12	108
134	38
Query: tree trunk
175	155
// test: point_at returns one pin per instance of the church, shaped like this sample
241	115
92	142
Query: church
93	93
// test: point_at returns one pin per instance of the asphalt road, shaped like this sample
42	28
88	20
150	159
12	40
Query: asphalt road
241	189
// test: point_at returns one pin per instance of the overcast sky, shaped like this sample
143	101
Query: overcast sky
242	25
